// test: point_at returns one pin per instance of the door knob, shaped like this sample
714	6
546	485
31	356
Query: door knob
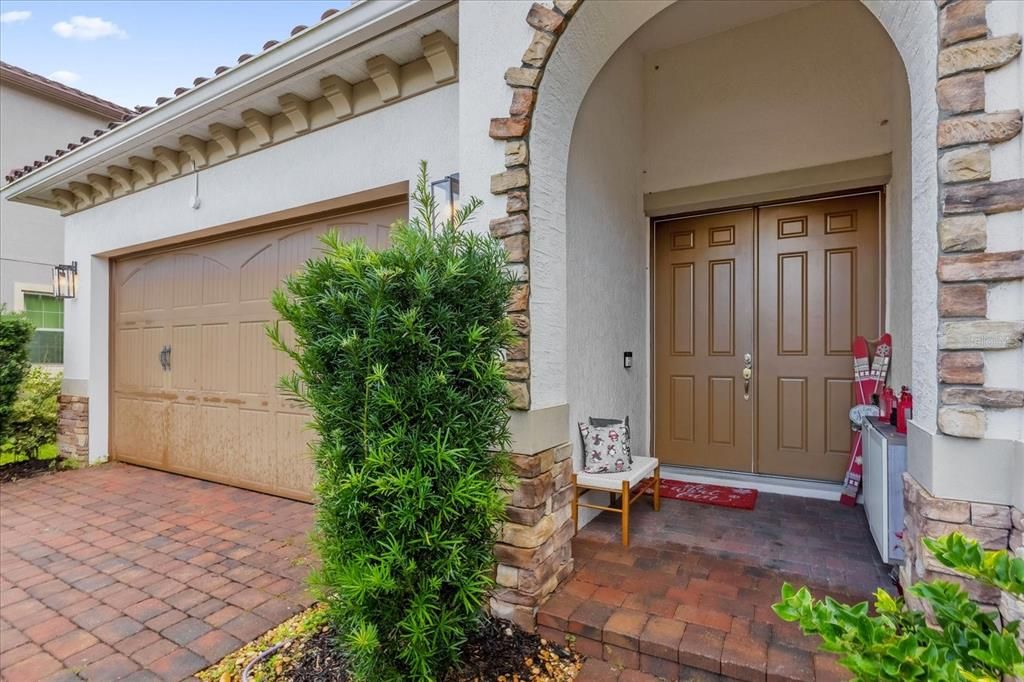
748	372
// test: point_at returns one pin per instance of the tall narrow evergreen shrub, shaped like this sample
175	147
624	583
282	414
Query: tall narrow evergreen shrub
15	335
398	356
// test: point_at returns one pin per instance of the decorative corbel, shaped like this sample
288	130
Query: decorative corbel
143	168
64	199
386	76
169	159
442	56
121	176
297	111
226	137
82	192
195	148
258	124
338	93
100	185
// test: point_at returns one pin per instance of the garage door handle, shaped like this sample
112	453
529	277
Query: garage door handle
165	358
168	359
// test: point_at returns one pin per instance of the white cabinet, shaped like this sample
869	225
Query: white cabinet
885	460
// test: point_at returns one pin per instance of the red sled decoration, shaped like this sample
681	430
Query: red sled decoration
868	381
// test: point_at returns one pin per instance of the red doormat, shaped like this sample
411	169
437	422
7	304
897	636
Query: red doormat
705	493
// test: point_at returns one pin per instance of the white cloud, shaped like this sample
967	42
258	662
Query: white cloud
65	77
14	16
88	28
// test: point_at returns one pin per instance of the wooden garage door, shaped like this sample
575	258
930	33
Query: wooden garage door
194	377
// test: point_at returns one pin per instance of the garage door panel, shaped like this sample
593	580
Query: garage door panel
218	435
158	287
182	453
217	281
256	359
258	275
154	340
217	358
257	443
216	411
188	280
128	360
140	430
293	251
295	459
129	292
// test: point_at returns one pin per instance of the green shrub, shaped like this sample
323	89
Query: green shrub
33	422
15	334
398	356
898	644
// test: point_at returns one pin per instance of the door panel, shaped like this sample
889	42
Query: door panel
818	288
704	307
216	413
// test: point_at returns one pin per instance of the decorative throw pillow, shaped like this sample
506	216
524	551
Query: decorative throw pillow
602	449
624	424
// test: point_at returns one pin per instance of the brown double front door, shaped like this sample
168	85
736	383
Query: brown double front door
755	310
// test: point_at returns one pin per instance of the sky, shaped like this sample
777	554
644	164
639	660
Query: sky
131	52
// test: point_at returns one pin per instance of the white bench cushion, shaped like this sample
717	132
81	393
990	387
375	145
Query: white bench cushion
643	467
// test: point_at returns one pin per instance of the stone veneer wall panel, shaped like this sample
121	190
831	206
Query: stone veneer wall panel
967	133
73	428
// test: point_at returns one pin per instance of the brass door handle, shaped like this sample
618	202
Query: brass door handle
748	372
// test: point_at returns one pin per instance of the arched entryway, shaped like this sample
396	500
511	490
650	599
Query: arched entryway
715	125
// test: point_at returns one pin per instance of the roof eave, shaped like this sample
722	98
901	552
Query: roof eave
359	23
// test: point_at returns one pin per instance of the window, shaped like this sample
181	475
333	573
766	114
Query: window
47	314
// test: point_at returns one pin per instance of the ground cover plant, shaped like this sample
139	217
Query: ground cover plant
397	354
898	644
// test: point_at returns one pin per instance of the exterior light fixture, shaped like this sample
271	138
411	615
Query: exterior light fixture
448	189
627	359
65	280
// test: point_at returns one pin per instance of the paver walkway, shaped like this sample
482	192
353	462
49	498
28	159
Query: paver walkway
691	598
120	572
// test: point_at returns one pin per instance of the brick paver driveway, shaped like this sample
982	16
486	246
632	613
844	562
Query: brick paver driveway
118	572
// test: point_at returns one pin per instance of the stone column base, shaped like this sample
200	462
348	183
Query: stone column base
534	551
73	428
994	526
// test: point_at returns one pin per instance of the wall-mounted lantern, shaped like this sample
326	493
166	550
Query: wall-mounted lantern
446	194
65	280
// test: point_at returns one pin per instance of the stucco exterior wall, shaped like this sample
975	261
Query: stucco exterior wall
366	152
492	36
607	239
804	88
30	126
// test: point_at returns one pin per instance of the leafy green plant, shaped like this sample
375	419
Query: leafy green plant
15	334
898	643
398	355
33	422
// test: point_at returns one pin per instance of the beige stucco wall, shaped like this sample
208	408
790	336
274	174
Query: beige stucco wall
30	127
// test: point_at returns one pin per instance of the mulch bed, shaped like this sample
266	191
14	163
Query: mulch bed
499	652
29	468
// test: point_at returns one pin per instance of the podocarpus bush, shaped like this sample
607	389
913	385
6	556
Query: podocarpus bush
15	334
398	356
899	644
33	422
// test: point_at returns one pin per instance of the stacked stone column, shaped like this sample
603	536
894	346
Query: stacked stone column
994	526
73	428
535	552
968	268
